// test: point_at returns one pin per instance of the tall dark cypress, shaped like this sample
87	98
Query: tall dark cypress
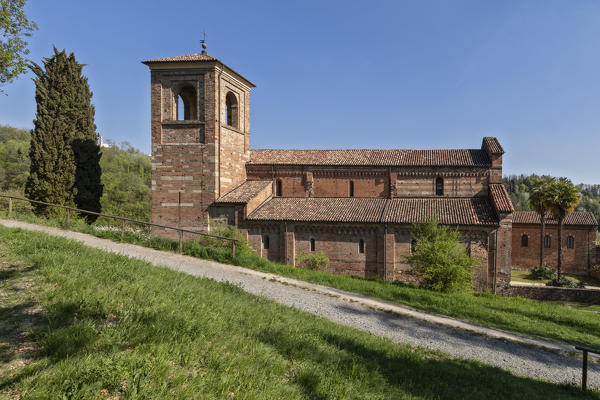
65	156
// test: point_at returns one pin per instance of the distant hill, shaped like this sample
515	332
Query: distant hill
518	187
126	173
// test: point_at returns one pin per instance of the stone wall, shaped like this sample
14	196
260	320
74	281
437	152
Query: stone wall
548	293
576	260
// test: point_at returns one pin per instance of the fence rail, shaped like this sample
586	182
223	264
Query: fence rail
123	220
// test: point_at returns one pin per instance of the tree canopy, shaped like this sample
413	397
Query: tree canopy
14	28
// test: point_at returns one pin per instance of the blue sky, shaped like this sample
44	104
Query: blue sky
353	74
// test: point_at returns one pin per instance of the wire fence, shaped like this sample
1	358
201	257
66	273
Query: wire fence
121	220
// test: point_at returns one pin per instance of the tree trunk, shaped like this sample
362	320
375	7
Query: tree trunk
542	234
560	249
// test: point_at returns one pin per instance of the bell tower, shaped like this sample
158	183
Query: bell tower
200	127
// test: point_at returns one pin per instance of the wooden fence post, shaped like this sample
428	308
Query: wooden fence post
68	216
180	242
9	206
122	229
233	249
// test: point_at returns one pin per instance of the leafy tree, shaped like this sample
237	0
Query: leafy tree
562	197
538	201
14	27
439	259
64	152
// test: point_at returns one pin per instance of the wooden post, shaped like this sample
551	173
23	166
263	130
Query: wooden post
68	216
233	249
122	229
584	372
9	206
180	241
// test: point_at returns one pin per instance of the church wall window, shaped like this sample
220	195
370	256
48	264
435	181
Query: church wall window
231	110
547	242
439	186
570	242
361	246
186	103
351	189
312	244
278	188
524	241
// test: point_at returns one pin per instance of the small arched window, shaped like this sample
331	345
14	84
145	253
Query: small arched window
524	241
351	189
312	244
266	242
439	186
547	241
570	242
186	103
231	110
278	188
361	246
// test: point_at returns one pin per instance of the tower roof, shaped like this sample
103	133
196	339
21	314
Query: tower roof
193	59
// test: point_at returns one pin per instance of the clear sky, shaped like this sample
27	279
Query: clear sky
353	74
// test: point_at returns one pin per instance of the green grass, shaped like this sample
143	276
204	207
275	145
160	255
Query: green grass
546	320
112	327
525	276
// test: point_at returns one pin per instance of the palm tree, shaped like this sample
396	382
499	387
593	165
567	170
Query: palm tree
538	201
563	196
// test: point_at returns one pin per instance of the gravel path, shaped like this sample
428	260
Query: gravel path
362	313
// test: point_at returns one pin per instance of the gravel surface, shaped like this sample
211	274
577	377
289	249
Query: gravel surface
519	358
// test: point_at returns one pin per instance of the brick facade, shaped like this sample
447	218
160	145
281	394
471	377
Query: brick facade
203	170
576	260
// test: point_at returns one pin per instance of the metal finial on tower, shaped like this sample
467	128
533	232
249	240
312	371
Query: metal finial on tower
203	41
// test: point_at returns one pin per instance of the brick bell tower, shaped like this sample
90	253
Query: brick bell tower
200	126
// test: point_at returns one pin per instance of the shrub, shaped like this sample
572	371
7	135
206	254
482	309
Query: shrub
313	261
544	272
566	283
439	259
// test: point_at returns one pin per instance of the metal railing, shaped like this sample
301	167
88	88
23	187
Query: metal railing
123	220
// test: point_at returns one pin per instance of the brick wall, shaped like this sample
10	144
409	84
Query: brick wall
576	260
547	293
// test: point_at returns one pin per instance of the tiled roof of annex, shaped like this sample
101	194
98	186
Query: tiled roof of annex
451	211
500	198
492	144
244	192
185	58
585	218
370	157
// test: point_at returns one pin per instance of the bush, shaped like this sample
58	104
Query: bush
439	259
313	261
544	272
566	283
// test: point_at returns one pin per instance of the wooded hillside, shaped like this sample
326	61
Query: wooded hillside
126	174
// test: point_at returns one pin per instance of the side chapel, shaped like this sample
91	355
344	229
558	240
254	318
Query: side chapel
357	206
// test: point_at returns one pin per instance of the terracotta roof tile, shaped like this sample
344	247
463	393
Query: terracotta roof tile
313	209
457	157
185	58
244	192
456	211
500	198
476	211
573	218
492	144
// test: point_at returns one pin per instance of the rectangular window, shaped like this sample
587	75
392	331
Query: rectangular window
266	243
524	241
361	246
312	244
439	187
570	242
547	241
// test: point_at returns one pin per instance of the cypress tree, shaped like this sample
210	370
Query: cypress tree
64	152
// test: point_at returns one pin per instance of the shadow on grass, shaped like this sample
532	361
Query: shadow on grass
407	370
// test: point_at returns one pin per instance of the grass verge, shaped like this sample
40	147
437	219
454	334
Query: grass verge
525	276
108	326
546	320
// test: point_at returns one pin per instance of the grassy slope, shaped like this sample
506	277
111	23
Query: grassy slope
534	318
120	327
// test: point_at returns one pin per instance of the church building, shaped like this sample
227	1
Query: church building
356	206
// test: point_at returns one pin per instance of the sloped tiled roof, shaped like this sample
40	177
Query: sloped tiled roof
573	218
457	211
244	193
185	58
365	157
500	198
467	211
492	144
322	209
